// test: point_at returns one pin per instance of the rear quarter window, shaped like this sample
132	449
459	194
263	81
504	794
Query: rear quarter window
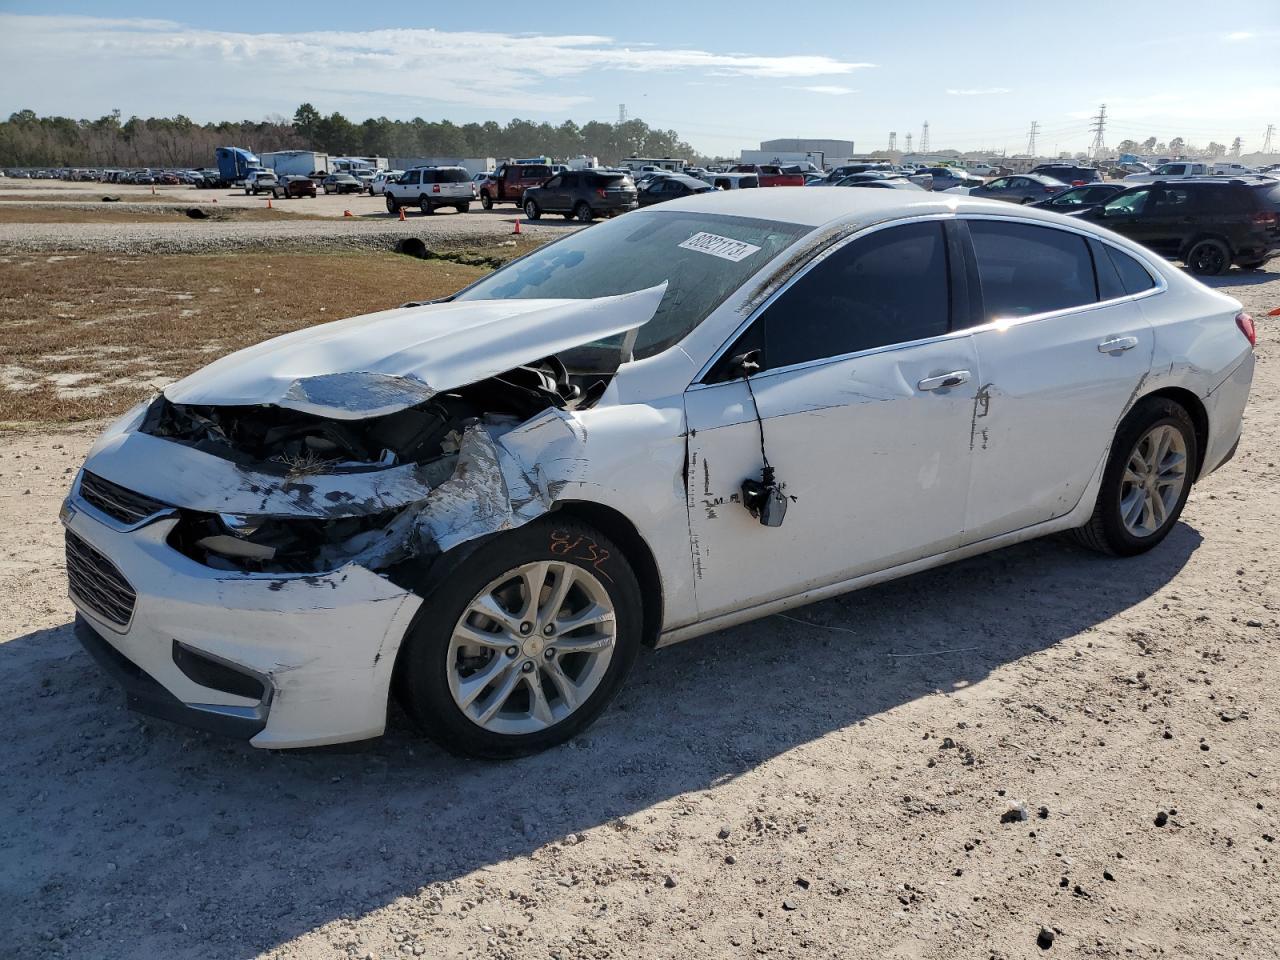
1026	269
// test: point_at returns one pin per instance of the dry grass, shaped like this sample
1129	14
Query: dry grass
88	335
110	213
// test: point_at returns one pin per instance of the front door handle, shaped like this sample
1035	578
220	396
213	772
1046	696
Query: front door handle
942	382
1117	344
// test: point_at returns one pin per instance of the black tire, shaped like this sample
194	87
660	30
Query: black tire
531	210
422	672
246	191
1105	531
393	206
486	201
425	206
1209	258
583	212
463	207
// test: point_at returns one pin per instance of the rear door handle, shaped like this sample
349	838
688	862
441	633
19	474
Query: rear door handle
1117	344
942	382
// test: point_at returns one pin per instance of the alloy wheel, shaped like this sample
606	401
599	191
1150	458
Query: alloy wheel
1153	480
531	647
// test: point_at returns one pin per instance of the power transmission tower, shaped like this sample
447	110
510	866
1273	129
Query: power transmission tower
1031	138
1235	146
1099	127
1266	139
924	137
893	140
908	143
622	113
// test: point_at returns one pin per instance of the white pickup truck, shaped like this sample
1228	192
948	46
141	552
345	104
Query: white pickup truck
430	187
1171	171
260	181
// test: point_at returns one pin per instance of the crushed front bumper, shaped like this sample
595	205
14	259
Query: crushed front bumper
315	652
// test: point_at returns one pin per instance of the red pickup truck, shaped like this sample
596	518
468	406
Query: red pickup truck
508	183
770	176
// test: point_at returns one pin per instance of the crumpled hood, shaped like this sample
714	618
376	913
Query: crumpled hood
377	364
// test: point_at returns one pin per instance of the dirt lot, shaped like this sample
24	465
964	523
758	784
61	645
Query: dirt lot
827	784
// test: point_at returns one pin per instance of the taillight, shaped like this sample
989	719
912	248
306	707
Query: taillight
600	192
1245	323
1266	218
1050	189
1077	183
435	188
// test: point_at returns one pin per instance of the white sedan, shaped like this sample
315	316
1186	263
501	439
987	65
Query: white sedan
672	422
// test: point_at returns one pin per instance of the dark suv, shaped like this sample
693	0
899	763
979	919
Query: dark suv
1208	223
1069	173
582	194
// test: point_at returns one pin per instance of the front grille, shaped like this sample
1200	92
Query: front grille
96	583
116	501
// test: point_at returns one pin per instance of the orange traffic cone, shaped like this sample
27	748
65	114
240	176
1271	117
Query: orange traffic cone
347	213
268	202
401	209
516	231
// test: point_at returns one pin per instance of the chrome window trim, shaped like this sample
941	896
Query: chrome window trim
1161	285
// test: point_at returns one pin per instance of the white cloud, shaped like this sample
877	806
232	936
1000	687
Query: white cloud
977	91
830	90
1239	35
506	71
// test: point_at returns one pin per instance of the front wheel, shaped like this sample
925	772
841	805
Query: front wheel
486	201
392	205
531	210
525	643
463	207
1146	481
1209	258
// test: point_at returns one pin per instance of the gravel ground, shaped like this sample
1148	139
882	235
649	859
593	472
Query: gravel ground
845	781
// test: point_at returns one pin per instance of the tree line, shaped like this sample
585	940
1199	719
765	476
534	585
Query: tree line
28	140
1177	147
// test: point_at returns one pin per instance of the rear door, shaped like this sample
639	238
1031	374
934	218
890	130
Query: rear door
864	402
1060	362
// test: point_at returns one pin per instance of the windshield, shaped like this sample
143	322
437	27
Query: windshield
702	258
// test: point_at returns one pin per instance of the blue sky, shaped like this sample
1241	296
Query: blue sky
724	75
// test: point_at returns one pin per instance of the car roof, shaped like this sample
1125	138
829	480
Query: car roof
855	208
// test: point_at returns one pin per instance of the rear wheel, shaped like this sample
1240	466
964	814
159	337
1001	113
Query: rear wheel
393	205
1209	258
583	212
525	644
531	210
1146	481
425	206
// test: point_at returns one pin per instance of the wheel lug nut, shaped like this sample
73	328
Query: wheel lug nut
549	653
526	627
528	666
549	629
512	651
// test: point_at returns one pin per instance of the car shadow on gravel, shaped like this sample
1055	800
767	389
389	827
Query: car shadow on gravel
128	837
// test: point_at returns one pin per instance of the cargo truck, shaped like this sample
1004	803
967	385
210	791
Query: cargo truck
301	163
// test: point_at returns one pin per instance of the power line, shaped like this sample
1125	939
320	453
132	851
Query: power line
908	143
924	137
622	113
1099	127
1031	138
893	140
1266	139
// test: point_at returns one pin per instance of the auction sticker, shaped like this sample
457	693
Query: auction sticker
726	248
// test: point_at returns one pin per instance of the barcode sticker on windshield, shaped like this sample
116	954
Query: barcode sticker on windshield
726	248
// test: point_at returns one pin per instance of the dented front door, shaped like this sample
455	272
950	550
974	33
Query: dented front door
872	450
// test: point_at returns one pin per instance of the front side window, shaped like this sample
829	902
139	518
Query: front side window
1127	204
555	183
703	258
1026	269
888	287
412	177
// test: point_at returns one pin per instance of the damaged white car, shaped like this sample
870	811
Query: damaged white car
672	422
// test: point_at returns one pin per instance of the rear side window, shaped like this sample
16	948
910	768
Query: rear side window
531	171
1133	275
1026	269
450	175
888	287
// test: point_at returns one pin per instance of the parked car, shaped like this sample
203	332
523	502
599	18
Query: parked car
849	169
1020	188
430	188
947	178
508	183
1072	174
1074	199
770	175
982	170
490	504
379	180
295	186
341	183
672	188
582	195
1170	171
883	183
260	181
1207	223
734	181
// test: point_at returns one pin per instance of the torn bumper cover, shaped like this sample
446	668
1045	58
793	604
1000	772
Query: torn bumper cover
296	647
